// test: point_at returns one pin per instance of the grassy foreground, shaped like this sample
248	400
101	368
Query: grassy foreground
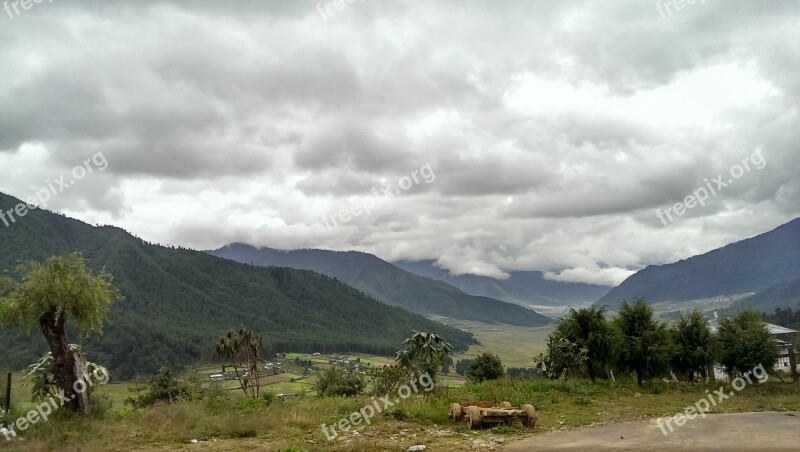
223	423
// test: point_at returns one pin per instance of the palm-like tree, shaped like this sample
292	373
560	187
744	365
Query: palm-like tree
423	353
241	348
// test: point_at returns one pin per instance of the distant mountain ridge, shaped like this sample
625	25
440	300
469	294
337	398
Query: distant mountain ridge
782	295
521	287
748	266
178	301
389	283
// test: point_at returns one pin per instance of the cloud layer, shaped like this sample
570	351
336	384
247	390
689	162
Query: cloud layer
555	129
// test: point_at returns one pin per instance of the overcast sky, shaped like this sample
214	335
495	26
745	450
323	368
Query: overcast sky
548	132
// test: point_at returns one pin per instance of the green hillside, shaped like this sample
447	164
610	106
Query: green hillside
178	301
390	284
779	296
750	265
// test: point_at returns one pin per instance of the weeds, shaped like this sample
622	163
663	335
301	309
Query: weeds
295	424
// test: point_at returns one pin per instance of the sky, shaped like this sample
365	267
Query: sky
487	136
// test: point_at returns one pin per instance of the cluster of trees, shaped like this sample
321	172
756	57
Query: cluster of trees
586	343
487	366
462	366
165	387
304	363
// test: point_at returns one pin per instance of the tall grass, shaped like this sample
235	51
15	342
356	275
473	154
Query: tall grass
296	423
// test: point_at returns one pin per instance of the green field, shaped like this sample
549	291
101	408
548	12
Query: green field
515	345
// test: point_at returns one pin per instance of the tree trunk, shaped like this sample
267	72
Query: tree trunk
591	370
52	326
711	374
80	371
639	377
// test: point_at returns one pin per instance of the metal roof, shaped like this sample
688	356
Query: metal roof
777	329
773	329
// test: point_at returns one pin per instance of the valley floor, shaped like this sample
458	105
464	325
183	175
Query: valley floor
515	345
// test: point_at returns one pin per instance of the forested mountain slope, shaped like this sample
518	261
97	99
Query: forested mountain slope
388	283
178	301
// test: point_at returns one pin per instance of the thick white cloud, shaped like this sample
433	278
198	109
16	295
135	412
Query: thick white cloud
555	130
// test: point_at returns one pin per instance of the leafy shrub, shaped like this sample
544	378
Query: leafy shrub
164	387
388	379
269	397
101	405
125	412
338	382
485	367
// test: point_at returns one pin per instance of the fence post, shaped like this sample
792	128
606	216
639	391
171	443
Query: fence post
7	397
793	364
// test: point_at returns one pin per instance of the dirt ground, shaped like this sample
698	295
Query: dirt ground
741	431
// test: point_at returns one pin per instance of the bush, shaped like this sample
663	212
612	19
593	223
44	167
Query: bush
125	412
268	396
337	382
101	405
388	379
164	387
485	367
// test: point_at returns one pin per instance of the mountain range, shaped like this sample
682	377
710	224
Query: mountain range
389	283
178	302
765	267
525	288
